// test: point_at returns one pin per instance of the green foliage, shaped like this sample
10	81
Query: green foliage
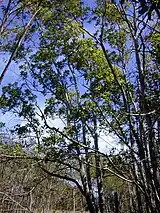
96	78
147	7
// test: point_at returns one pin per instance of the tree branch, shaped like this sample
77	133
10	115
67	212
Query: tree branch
20	40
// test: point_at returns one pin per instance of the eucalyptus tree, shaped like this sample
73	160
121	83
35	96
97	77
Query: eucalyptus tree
95	68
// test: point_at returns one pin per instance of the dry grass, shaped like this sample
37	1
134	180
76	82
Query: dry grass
58	211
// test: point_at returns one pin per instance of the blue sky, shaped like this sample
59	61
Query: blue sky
12	72
12	75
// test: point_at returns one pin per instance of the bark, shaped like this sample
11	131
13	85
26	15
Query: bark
98	170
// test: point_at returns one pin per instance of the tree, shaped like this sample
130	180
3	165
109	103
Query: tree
14	27
147	7
106	80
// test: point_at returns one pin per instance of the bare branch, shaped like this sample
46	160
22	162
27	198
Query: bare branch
24	208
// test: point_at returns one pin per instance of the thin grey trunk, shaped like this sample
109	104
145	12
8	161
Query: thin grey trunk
98	169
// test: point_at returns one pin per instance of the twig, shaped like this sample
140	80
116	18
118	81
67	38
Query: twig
26	209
